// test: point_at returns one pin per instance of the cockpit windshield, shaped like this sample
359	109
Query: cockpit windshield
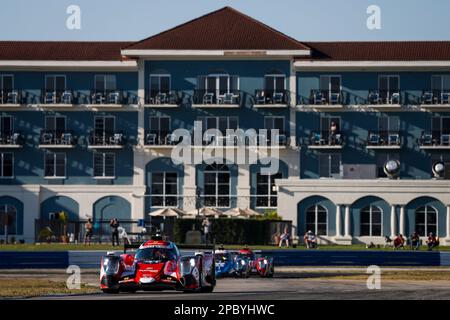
155	254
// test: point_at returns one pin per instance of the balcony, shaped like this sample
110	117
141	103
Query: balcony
260	140
51	139
271	98
10	98
434	141
325	140
169	99
435	99
326	99
106	140
208	99
383	140
108	98
384	99
54	98
11	140
162	140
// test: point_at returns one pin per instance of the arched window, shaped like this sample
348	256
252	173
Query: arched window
217	185
8	216
316	220
426	220
371	221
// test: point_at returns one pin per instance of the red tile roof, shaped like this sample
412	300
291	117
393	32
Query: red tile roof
380	51
224	29
62	50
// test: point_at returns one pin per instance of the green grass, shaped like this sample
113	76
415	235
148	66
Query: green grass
108	247
10	288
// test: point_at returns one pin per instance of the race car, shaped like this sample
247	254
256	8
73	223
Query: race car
261	265
230	263
157	265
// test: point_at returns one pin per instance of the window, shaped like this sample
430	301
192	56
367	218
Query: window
55	83
371	221
6	126
164	189
217	185
330	165
6	82
218	84
274	123
8	214
331	84
440	84
160	126
388	125
274	82
426	221
105	83
55	124
220	123
104	165
387	86
316	220
266	193
159	83
104	126
55	165
382	158
440	126
6	168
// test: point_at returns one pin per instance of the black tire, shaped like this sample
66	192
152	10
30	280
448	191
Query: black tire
110	291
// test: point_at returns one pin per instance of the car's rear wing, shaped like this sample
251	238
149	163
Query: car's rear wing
202	246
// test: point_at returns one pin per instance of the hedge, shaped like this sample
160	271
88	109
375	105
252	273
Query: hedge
228	230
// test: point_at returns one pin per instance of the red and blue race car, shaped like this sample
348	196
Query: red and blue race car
261	265
157	265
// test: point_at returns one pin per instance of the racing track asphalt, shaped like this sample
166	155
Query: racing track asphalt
291	286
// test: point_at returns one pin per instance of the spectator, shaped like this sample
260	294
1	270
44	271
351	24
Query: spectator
399	242
114	224
432	241
88	227
284	238
387	241
334	130
206	224
415	241
310	240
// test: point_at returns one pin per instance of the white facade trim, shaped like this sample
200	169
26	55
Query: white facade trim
46	64
326	65
203	53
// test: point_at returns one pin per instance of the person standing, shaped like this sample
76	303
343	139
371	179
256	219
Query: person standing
88	227
114	224
206	224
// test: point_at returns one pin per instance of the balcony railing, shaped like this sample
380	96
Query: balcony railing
203	97
161	139
108	97
106	139
11	139
271	97
435	97
57	97
384	97
436	139
383	138
325	97
57	138
10	96
326	139
164	98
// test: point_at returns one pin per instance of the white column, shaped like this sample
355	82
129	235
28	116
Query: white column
448	222
243	187
139	154
347	221
402	220
393	221
338	220
292	105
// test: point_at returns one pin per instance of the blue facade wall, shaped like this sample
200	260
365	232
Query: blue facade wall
57	204
355	127
29	160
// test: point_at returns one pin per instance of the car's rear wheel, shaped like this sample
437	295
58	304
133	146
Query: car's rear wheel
110	291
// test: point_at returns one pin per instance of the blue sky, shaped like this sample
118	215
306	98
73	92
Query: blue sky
305	20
